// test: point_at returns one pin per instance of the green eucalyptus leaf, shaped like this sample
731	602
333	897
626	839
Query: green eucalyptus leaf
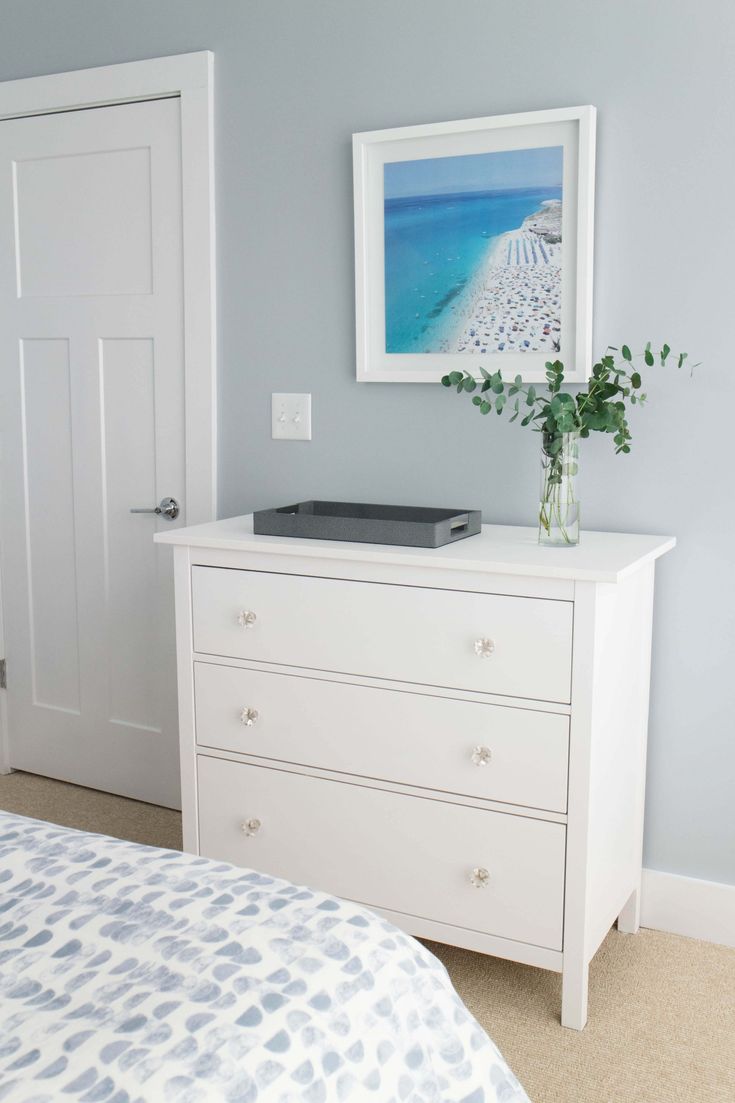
601	408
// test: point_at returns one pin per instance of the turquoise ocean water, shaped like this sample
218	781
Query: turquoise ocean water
434	245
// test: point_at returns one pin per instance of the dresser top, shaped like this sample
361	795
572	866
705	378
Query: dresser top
497	549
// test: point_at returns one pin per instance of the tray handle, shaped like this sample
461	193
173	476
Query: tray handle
459	524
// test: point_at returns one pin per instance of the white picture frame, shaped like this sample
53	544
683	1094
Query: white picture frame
566	133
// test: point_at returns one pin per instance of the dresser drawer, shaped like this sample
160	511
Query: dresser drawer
504	754
388	850
405	633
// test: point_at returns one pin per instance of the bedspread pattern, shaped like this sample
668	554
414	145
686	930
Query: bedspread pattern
135	975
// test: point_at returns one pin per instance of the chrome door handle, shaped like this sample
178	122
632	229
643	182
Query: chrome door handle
168	508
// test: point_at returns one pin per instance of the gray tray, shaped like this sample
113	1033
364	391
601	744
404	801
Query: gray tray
409	526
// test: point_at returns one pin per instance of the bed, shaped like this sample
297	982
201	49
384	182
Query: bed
130	974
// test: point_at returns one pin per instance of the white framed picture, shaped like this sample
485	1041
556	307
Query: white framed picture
473	247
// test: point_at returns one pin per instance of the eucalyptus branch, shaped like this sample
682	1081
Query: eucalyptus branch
614	383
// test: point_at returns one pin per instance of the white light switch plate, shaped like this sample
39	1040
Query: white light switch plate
291	416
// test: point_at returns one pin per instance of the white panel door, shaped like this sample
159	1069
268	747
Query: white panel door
92	421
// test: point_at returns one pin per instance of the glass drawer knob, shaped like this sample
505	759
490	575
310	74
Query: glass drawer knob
249	716
250	827
484	647
246	618
479	878
481	755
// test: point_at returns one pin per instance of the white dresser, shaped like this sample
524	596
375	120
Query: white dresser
454	737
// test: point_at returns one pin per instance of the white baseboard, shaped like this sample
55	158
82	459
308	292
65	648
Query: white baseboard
688	906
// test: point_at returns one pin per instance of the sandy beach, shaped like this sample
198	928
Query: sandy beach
514	303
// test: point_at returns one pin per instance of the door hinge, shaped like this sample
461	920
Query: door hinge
3	674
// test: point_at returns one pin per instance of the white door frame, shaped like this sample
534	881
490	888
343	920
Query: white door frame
190	78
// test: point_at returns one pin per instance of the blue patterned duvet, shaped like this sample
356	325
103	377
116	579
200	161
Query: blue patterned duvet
133	974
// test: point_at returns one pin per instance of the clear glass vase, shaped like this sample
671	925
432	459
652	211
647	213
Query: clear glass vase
559	503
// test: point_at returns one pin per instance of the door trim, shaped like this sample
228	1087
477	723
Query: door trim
4	742
190	78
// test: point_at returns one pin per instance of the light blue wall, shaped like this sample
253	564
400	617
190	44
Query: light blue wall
294	79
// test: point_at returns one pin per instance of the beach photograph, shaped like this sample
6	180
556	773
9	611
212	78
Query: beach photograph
472	247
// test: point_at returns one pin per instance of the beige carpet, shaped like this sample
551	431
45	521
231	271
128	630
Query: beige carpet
89	810
662	1008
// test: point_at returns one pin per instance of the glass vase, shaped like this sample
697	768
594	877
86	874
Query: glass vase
559	503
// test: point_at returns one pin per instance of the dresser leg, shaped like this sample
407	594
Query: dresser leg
574	983
629	920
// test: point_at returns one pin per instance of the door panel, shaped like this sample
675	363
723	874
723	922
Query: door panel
49	503
92	419
58	229
128	414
